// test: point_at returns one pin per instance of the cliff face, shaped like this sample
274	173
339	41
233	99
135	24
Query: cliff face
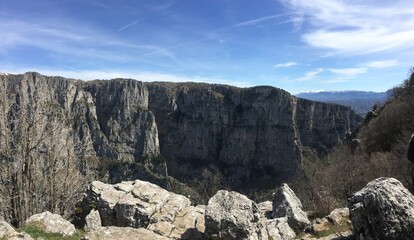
253	135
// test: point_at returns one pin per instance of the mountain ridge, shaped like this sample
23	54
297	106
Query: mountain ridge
193	126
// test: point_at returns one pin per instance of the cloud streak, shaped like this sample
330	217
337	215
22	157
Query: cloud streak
382	64
348	72
356	27
311	75
128	25
257	20
285	65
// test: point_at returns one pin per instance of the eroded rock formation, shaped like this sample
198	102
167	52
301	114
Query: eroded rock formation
52	223
382	210
410	151
286	204
253	135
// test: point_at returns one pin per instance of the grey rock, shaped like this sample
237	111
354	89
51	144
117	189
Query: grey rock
256	132
134	203
93	221
238	127
52	223
383	209
110	118
338	216
277	228
123	233
189	223
347	235
8	232
337	221
410	151
231	215
265	209
286	204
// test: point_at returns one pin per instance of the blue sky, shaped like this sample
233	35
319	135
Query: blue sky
296	45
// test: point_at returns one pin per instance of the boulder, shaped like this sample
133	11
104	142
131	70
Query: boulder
231	215
123	233
339	216
286	204
52	223
336	222
347	235
189	223
277	228
8	232
410	152
134	203
265	209
383	209
93	221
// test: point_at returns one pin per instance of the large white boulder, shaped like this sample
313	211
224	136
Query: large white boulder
383	209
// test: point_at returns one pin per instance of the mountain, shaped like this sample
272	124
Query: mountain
360	101
130	129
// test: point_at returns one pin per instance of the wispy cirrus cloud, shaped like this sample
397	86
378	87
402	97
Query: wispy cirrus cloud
311	75
356	27
128	25
382	64
348	72
77	42
285	65
258	20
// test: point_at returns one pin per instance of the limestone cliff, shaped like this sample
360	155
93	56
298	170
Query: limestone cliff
251	134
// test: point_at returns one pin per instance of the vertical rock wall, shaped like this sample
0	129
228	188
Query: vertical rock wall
253	135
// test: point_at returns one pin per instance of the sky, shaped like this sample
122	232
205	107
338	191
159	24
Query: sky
296	45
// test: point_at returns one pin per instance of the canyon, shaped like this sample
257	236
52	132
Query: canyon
149	131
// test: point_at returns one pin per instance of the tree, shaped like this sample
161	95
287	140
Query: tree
39	157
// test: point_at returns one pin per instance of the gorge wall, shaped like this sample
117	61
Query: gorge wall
253	135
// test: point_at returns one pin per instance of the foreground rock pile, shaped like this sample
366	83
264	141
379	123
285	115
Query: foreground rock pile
141	210
141	205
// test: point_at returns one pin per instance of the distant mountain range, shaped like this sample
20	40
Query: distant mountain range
360	101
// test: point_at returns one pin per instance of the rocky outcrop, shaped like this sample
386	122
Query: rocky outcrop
410	151
248	133
337	223
123	233
8	232
93	221
275	229
107	120
52	223
382	210
253	135
231	215
140	204
286	204
133	203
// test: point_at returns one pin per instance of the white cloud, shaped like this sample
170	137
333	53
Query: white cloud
348	72
79	41
311	75
257	20
356	27
285	65
382	64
